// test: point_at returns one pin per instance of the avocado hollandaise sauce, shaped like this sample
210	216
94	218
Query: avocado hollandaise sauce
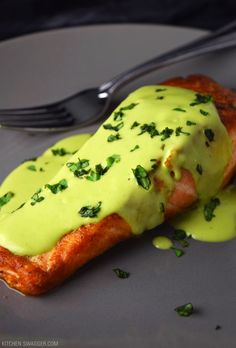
209	221
153	133
28	177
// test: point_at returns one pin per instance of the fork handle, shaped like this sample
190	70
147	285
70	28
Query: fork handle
215	41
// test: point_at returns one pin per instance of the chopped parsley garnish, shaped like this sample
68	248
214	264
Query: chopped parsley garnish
21	206
184	243
179	131
78	168
160	89
181	236
30	159
199	169
160	98
95	175
162	207
60	186
99	170
81	168
121	274
209	134
118	115
201	99
129	107
210	207
112	137
6	198
178	252
36	198
185	310
135	148
190	123
112	159
115	128
135	124
203	112
32	167
166	133
90	211
150	129
60	152
142	177
156	164
179	109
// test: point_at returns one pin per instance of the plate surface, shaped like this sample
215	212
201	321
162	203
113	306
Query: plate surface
95	308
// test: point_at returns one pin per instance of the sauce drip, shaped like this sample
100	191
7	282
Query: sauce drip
221	228
162	242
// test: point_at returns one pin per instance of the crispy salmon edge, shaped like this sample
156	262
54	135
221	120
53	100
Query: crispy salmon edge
38	274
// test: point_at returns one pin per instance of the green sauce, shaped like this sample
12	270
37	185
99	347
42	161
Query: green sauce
222	227
121	180
25	182
162	242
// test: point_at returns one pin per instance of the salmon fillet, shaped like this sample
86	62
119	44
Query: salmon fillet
38	274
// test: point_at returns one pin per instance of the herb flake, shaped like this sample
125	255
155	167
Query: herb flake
203	112
162	207
6	198
209	134
134	148
210	207
185	310
60	186
60	152
112	137
32	167
201	99
99	170
135	124
190	123
179	131
179	109
199	169
78	168
36	198
90	211
142	177
181	236
160	90
115	128
121	274
150	129
166	133
118	115
178	252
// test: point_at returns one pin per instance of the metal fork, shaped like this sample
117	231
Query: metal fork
88	106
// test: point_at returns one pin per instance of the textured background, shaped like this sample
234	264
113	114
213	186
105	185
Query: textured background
24	16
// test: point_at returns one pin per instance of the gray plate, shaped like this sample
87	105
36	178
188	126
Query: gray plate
94	308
